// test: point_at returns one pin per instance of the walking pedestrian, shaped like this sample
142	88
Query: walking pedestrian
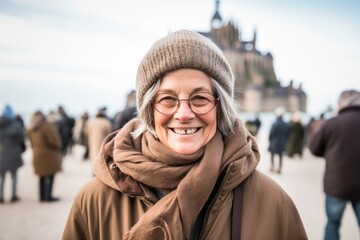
46	152
296	138
277	139
186	167
11	149
337	140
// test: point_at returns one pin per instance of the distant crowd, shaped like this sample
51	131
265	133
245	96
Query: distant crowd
288	138
51	136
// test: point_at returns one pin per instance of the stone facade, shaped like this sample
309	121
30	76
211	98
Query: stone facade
257	88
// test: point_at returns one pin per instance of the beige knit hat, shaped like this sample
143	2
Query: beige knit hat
183	49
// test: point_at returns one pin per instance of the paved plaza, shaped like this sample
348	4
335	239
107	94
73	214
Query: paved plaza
29	219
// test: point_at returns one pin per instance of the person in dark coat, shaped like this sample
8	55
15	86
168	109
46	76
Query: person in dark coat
277	138
128	113
337	140
47	153
65	125
79	134
11	148
295	143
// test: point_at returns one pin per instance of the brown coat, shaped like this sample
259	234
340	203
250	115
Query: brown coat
101	211
268	213
46	148
338	142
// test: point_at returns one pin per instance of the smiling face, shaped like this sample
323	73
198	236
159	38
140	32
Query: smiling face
185	132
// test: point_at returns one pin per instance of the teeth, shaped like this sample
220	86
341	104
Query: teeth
185	131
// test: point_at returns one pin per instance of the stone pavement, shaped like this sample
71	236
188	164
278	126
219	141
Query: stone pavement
29	219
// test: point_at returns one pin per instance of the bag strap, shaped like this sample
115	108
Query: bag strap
237	212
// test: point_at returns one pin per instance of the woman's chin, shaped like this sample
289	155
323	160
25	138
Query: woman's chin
185	149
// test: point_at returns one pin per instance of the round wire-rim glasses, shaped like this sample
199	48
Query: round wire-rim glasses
200	103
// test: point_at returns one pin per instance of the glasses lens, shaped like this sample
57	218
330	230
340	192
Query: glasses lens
165	103
200	103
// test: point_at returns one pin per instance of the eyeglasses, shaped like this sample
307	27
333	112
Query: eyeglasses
200	103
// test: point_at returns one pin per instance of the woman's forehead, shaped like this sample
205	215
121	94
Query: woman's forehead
188	80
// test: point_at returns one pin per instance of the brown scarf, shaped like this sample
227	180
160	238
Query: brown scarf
189	178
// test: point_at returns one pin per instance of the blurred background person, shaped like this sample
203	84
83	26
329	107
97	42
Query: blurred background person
11	149
128	113
66	126
253	125
97	129
315	124
20	120
47	153
257	123
279	132
337	140
295	142
308	130
79	134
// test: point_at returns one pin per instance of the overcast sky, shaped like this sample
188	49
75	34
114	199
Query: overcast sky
84	53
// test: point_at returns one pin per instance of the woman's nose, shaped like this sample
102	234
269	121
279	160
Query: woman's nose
184	112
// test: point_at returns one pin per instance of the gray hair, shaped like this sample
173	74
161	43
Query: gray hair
227	112
349	98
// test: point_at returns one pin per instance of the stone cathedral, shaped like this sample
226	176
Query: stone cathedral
257	88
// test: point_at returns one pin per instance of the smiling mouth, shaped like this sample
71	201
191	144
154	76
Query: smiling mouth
185	131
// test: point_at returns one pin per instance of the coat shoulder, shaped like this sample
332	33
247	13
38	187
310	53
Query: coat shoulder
95	190
101	212
263	186
278	215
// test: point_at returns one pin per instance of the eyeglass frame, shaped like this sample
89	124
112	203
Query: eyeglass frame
216	100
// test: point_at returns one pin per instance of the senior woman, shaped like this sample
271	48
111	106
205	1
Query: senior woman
172	172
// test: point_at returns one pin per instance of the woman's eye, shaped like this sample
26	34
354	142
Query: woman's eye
168	100
200	100
199	97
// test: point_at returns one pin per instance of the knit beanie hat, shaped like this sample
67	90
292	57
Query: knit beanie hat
183	49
